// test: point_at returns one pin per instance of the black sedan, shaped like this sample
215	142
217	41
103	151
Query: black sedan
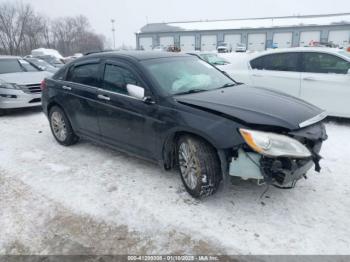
181	112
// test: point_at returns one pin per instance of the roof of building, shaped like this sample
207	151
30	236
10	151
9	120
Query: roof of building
249	23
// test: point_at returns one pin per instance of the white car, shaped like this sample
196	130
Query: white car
223	48
19	83
241	48
320	76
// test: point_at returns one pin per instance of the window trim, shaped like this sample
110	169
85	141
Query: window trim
119	94
88	62
125	66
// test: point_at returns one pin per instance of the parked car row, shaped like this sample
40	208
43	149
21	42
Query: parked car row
227	48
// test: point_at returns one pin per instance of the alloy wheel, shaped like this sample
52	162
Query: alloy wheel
188	166
58	126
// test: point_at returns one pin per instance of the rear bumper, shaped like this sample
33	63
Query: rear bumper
11	98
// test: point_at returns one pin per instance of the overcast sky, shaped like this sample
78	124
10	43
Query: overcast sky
131	15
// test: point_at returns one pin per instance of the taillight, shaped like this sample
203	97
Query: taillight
43	85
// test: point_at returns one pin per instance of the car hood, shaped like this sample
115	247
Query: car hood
25	78
254	106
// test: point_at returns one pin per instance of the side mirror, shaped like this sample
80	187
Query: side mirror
136	91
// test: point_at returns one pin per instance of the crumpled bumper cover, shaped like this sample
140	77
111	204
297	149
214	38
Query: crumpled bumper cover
281	171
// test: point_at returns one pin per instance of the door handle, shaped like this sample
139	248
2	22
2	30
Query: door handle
103	97
66	87
256	75
309	79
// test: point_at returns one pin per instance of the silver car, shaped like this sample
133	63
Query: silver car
19	83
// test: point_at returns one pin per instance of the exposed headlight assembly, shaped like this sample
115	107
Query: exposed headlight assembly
274	145
6	85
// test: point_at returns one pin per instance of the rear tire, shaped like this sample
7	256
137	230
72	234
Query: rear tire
61	127
199	166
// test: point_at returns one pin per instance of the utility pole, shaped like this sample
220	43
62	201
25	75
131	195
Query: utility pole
113	32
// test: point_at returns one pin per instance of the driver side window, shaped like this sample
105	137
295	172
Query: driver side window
116	78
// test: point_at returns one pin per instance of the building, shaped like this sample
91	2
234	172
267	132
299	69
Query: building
256	34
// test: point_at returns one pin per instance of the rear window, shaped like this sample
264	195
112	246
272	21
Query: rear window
277	62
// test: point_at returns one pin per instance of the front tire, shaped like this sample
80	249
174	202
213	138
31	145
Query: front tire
61	127
199	166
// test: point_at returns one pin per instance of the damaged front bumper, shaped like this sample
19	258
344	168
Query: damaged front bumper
280	171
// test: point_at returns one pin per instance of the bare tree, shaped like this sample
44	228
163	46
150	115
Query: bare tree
22	30
13	21
74	35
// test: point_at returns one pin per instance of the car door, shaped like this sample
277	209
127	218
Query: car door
80	87
125	121
326	82
279	72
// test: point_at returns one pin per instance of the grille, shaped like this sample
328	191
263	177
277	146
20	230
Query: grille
35	89
35	100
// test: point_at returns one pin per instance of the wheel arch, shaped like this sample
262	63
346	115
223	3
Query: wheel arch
53	103
170	143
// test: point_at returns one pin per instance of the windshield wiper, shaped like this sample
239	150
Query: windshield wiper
227	85
192	91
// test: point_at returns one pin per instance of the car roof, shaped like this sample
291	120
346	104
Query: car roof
327	50
135	55
299	49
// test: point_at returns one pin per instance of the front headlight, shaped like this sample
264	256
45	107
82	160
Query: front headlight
6	85
274	145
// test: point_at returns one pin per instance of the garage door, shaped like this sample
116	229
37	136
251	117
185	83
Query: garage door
307	38
146	43
339	37
232	41
166	41
282	40
256	42
187	43
208	42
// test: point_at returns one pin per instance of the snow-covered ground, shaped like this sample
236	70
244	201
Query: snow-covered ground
90	199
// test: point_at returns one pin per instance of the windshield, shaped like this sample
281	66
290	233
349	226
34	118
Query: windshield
40	63
214	59
8	66
181	75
